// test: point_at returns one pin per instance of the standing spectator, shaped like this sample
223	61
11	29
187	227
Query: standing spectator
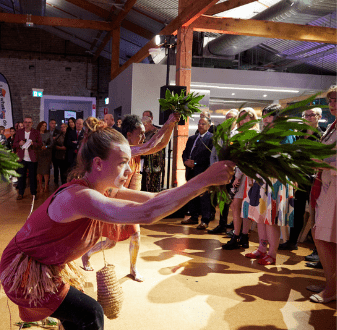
18	125
27	141
154	164
60	153
302	194
73	140
221	228
110	122
44	156
10	140
196	157
119	123
269	208
3	140
239	182
324	202
54	132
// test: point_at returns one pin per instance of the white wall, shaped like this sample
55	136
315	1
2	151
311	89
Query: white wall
120	92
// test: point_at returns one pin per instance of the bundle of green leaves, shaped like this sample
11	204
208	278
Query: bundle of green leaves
186	106
262	154
8	164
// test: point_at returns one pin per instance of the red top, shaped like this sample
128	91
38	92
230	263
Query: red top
49	243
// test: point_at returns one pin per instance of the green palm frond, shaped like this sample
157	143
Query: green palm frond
8	164
186	106
262	154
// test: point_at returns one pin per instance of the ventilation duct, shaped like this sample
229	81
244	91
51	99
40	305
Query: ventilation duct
33	7
286	11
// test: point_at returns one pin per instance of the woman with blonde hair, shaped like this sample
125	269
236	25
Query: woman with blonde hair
37	270
238	239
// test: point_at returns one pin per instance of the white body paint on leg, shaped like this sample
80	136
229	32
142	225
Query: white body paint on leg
134	250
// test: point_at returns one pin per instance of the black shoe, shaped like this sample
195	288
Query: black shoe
232	244
313	257
230	225
190	221
217	230
243	241
288	246
212	217
316	265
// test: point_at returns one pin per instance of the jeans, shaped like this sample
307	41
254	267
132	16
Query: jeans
79	311
32	169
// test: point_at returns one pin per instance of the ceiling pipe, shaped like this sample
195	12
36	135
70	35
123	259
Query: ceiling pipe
284	11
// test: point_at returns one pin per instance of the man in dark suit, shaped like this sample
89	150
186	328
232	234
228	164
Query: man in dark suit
110	122
26	142
54	132
73	142
196	157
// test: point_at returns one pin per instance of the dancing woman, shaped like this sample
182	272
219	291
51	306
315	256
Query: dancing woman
37	270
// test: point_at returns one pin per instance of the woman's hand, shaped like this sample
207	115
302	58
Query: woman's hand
219	173
236	182
174	118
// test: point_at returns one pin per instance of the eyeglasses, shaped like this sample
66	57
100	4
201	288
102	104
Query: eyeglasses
309	116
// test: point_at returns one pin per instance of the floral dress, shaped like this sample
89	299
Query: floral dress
263	205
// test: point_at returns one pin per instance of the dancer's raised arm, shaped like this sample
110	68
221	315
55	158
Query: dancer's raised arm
159	140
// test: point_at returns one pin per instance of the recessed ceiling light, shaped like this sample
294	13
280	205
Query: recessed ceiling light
265	95
247	88
233	93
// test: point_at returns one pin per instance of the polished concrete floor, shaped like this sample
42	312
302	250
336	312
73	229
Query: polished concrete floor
190	282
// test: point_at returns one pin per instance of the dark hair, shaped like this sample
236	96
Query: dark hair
130	123
38	127
150	112
74	120
96	143
12	128
52	119
273	109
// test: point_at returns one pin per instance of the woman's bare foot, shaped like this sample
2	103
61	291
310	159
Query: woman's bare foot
86	263
136	276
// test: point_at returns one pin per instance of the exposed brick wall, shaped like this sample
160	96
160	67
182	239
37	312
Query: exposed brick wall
33	58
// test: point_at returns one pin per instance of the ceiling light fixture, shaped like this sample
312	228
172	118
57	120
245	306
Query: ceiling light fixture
247	88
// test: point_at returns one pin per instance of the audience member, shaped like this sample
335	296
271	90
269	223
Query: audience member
154	164
74	137
270	209
323	201
3	140
60	154
196	158
110	122
54	132
10	140
26	142
119	123
221	228
302	194
44	157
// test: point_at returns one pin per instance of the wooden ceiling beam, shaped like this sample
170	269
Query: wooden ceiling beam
56	21
115	24
191	13
105	14
266	29
227	5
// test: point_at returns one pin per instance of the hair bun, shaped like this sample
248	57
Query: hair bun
92	125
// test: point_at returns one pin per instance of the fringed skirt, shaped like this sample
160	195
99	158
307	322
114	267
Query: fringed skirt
39	289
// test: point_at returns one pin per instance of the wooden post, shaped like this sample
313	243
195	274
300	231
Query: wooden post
115	45
183	78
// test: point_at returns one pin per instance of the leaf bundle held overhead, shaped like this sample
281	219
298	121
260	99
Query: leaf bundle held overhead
186	106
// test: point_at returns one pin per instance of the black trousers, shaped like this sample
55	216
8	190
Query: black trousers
79	311
62	165
201	205
32	170
301	198
56	169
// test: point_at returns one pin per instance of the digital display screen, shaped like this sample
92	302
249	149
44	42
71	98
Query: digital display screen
68	114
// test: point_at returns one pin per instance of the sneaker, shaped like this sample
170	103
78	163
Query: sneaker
217	230
313	257
232	244
288	246
202	226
